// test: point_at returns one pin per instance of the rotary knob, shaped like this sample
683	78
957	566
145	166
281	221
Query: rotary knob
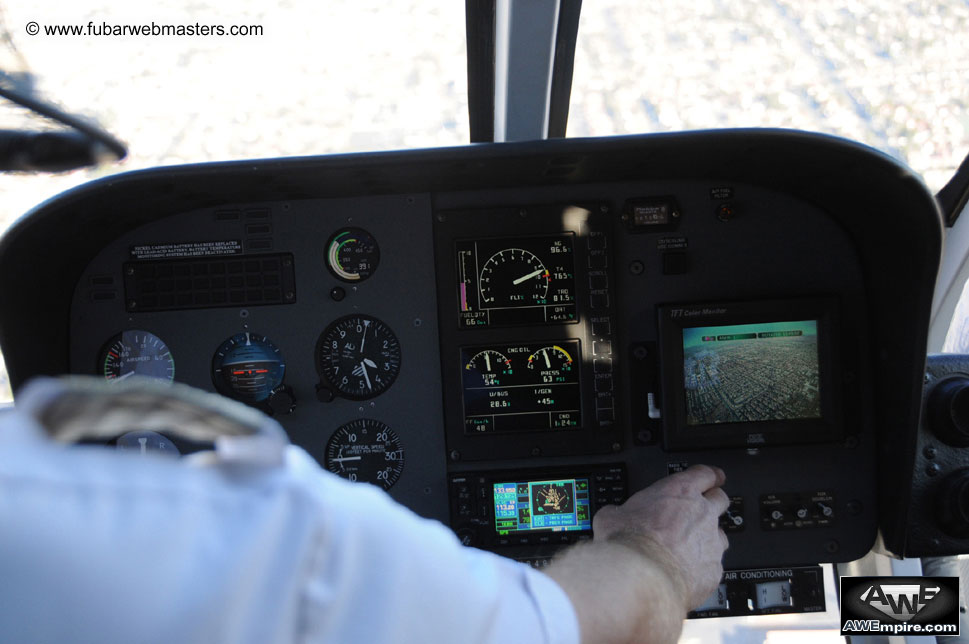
948	411
952	509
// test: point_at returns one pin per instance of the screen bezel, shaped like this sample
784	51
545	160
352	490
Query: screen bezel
678	434
546	530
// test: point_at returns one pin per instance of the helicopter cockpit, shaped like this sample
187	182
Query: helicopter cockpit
507	336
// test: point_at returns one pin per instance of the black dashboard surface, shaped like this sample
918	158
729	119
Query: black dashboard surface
509	336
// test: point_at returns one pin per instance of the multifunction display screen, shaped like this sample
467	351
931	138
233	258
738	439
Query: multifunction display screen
553	506
521	387
751	372
516	281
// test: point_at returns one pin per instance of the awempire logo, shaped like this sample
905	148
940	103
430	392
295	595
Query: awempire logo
900	605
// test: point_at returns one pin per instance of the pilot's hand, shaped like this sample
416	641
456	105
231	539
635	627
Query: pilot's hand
675	523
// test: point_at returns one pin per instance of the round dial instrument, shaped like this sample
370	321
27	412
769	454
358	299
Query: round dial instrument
146	441
358	356
514	277
491	365
366	450
136	353
553	358
352	254
247	367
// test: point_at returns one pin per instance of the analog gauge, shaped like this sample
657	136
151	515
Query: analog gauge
247	367
143	442
491	365
553	358
358	357
136	353
352	254
366	450
514	277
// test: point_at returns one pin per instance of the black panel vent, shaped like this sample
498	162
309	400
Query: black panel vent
172	285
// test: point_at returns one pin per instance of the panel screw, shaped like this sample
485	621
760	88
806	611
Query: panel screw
640	353
644	436
418	322
130	270
930	452
933	470
636	267
831	546
455	455
536	451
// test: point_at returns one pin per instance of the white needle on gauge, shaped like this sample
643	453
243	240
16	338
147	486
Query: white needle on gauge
363	339
363	368
529	276
127	375
548	363
369	363
347	458
487	363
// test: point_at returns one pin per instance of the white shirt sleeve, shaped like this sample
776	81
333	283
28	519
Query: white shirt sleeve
387	575
102	546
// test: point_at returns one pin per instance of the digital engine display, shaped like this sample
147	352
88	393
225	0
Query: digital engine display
516	281
751	372
521	387
551	506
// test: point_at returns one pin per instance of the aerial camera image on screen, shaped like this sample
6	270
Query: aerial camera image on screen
751	372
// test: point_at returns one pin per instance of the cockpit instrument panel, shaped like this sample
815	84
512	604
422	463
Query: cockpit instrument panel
545	327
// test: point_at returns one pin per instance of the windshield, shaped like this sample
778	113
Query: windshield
352	75
888	74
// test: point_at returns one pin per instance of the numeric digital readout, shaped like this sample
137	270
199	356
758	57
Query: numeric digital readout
521	387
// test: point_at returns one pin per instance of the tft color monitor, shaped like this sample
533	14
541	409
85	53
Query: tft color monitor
751	372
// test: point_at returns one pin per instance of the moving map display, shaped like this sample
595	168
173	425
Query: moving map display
555	506
751	372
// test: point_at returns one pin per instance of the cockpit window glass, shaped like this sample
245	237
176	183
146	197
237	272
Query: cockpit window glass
309	78
888	74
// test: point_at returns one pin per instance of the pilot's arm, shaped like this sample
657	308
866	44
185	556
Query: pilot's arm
653	558
255	543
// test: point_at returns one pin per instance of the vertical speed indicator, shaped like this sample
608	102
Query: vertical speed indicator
366	450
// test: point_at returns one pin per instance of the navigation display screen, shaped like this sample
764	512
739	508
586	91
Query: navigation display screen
549	506
516	281
521	387
751	372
